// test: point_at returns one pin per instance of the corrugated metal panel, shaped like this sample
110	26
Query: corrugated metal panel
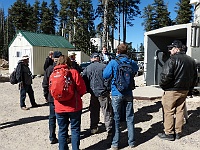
45	40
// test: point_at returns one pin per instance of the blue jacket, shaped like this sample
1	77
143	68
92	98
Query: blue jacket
111	69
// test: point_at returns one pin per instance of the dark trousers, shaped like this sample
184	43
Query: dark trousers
52	121
103	102
26	89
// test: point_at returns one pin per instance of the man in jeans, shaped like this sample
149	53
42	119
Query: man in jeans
119	98
100	96
24	78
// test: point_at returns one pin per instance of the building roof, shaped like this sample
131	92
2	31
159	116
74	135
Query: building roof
46	40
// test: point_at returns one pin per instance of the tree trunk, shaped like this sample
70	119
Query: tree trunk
105	23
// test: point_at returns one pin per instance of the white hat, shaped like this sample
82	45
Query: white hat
25	57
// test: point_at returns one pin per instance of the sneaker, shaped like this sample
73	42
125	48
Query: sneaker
54	141
114	148
169	137
25	108
131	146
178	136
94	131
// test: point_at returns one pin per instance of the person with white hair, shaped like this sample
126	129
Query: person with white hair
24	78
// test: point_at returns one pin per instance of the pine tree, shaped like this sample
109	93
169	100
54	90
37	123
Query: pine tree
2	28
184	12
148	16
19	14
54	15
162	16
46	20
36	16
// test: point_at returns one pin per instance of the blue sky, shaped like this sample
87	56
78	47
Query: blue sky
135	34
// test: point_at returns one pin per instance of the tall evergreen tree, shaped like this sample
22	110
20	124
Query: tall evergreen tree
184	12
54	15
46	19
2	28
19	14
148	16
36	16
162	16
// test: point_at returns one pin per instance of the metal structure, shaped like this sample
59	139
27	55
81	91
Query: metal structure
156	41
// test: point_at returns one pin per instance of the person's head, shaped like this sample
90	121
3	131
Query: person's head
122	49
175	47
25	59
63	59
94	57
72	56
50	54
56	55
104	50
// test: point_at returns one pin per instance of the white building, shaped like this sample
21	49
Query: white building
37	47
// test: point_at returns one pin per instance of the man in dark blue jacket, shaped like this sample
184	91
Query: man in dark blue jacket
49	98
119	98
24	78
100	96
178	76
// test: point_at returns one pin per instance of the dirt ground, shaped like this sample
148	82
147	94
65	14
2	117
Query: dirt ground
28	130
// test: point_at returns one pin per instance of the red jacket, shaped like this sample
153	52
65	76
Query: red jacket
76	103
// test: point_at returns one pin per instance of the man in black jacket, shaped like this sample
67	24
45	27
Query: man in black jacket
100	96
105	56
48	61
49	98
24	78
178	76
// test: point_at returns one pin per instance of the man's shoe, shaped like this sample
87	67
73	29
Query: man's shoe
54	141
169	137
35	105
114	148
94	131
178	136
25	108
131	146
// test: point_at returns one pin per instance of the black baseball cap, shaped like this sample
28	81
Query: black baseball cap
94	55
176	43
57	54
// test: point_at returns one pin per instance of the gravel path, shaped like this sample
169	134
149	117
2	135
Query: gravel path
28	130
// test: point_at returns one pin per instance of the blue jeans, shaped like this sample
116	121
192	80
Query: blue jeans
26	89
52	122
63	121
117	104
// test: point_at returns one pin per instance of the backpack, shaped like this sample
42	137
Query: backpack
13	79
61	84
124	77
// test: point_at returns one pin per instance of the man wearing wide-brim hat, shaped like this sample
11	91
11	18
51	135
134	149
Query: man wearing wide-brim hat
76	66
24	78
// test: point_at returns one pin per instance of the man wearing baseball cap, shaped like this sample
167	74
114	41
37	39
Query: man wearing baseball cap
100	95
178	76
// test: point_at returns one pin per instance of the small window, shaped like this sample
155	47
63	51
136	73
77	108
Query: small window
18	54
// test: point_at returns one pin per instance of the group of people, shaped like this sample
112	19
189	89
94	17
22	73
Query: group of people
178	76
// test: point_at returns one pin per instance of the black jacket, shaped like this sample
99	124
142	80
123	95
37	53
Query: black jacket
179	73
45	83
102	58
48	62
23	73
